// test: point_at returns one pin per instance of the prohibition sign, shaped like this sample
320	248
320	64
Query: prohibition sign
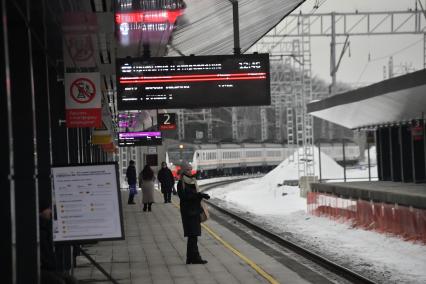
82	90
80	47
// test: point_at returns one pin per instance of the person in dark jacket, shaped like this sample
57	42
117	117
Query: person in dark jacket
131	180
165	177
48	268
190	209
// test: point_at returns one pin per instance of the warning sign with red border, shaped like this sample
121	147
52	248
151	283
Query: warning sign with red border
79	39
83	99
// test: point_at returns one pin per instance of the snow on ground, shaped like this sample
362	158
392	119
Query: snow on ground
388	259
288	169
219	179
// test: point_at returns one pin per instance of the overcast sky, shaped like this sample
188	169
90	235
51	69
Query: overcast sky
357	67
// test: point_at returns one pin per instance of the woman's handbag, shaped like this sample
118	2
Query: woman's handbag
204	215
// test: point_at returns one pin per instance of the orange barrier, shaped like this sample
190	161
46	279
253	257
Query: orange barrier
407	222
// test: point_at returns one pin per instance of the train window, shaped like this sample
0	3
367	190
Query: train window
274	153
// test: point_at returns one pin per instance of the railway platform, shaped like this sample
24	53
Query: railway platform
154	251
406	194
383	206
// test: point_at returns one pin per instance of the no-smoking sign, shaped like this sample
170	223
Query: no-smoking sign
83	100
82	90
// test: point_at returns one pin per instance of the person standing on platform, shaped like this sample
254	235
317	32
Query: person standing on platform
49	273
190	209
165	177
146	182
131	180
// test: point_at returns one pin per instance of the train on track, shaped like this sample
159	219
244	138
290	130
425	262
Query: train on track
211	160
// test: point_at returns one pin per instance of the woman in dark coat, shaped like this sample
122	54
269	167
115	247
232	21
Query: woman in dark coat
146	182
190	209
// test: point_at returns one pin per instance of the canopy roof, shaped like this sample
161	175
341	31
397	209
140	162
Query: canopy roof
396	100
200	27
207	25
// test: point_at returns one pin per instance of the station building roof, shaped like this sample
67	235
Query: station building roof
393	101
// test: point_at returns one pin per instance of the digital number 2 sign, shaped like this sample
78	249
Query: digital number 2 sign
193	81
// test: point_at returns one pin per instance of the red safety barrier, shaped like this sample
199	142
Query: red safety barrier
407	222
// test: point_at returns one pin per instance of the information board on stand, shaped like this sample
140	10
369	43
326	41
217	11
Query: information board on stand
86	203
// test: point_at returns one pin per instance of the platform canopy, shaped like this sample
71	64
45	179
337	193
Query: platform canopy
207	25
393	101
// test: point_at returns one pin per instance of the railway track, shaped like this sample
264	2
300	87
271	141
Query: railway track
321	261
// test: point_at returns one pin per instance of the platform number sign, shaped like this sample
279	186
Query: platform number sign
166	121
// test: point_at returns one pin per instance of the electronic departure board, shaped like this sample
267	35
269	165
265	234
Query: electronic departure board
139	139
193	81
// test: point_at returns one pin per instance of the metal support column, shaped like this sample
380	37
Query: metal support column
234	124
19	76
333	53
236	22
424	50
278	120
237	50
263	124
299	108
308	125
181	124
7	240
209	124
344	160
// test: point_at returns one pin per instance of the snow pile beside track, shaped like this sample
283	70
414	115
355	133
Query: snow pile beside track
265	196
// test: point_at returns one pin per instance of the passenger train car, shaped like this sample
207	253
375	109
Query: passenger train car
210	160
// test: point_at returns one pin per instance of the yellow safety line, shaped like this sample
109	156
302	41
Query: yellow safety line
247	260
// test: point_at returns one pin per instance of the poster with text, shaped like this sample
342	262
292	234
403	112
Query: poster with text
86	203
83	98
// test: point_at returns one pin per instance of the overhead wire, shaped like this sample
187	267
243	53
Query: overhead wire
397	51
386	56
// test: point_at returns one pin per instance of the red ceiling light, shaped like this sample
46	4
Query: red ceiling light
157	16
